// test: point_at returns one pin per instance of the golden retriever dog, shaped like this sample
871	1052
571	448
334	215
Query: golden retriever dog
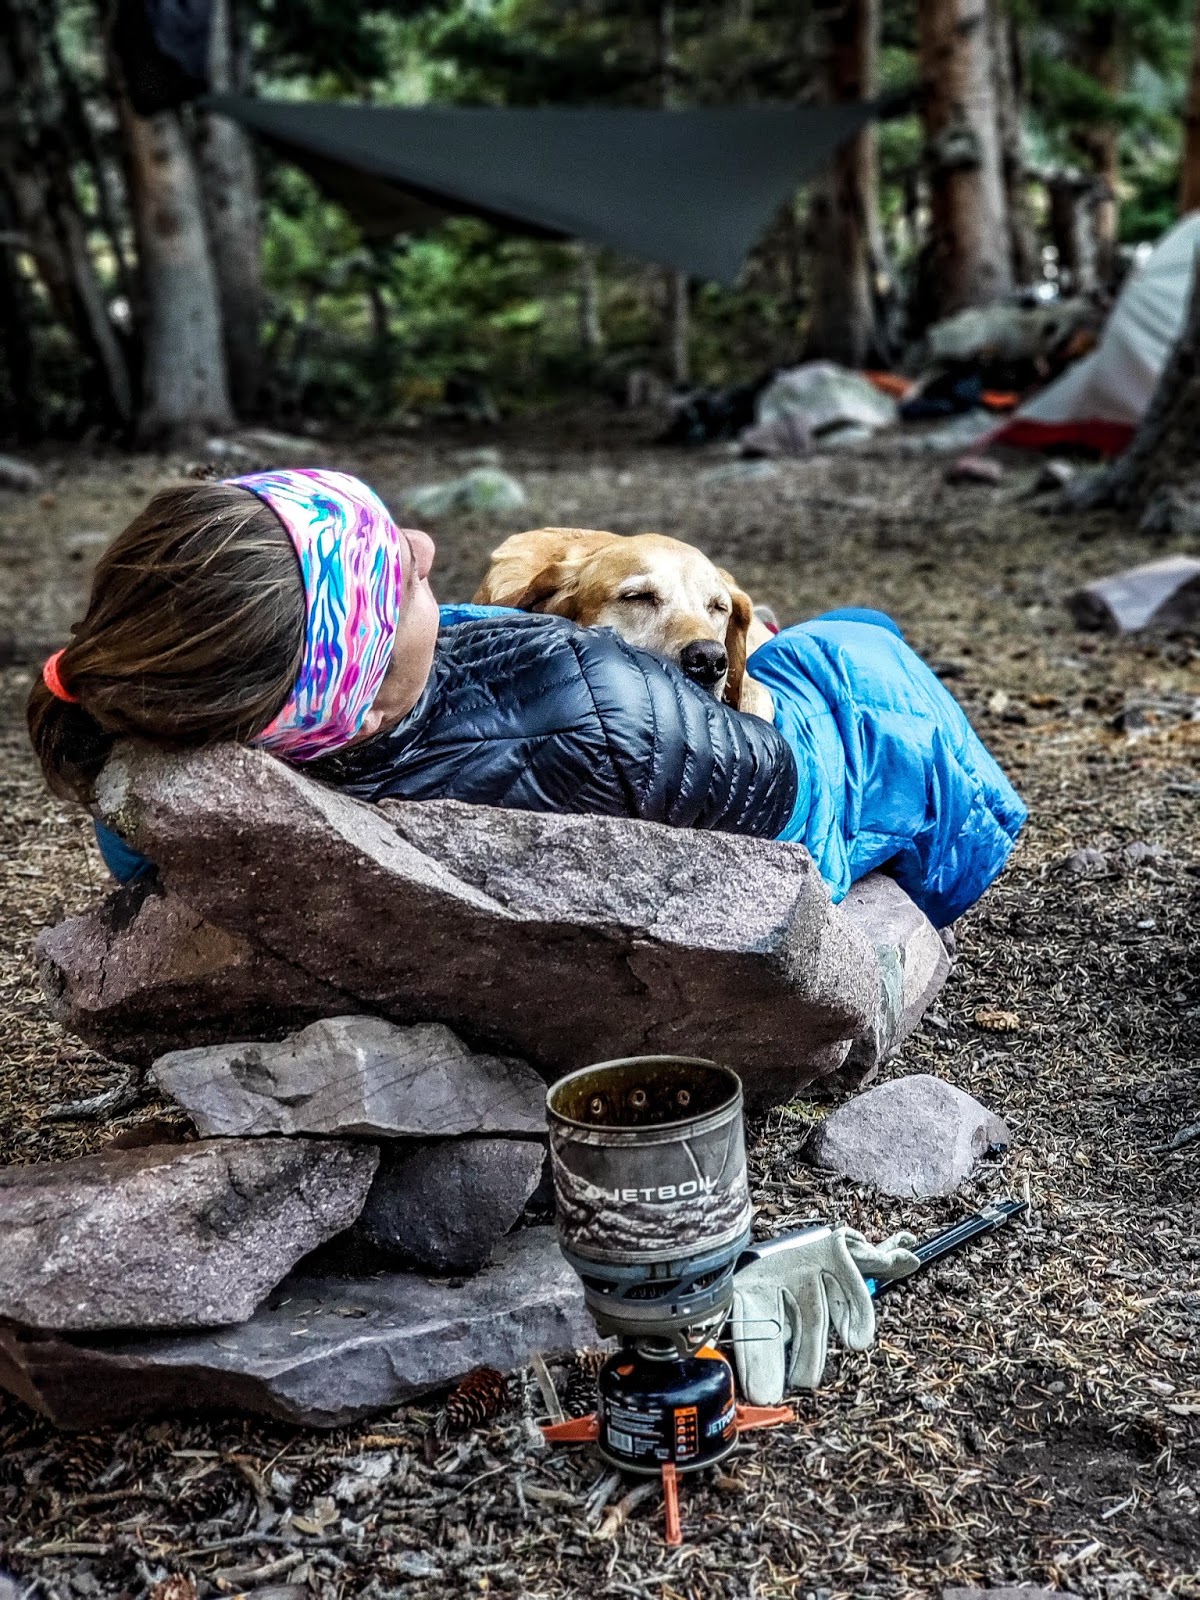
658	593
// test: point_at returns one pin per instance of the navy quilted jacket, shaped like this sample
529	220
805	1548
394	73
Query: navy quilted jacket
534	713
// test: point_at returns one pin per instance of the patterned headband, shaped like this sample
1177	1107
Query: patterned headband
349	551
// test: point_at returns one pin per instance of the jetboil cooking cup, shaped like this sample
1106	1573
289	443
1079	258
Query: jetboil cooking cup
649	1163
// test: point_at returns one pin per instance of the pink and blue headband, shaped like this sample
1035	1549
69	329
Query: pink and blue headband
349	551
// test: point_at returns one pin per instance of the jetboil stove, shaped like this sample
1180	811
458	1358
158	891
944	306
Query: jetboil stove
653	1203
653	1208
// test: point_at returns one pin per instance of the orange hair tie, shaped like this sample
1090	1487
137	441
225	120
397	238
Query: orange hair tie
53	681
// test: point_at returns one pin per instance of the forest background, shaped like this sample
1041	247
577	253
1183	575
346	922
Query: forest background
161	275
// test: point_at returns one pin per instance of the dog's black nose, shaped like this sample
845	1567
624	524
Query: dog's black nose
704	661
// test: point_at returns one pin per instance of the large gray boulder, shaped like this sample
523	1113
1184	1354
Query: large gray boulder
170	1236
502	924
323	1351
143	972
444	1205
913	966
913	1137
358	1076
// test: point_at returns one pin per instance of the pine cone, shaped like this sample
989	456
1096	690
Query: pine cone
579	1390
207	1496
480	1398
84	1458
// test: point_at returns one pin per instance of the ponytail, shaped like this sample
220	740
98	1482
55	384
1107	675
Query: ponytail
194	633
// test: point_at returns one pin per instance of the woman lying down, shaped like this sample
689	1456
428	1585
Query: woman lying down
287	610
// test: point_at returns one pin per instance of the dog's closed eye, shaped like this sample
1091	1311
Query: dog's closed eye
642	597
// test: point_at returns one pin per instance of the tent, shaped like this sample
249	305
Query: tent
692	189
1100	400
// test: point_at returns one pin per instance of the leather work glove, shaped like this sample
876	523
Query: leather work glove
786	1299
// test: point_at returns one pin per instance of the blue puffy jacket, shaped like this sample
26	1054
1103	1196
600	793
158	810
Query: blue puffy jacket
870	763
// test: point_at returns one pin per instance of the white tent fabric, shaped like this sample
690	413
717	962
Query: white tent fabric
1100	400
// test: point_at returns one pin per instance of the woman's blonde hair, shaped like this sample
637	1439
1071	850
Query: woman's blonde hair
194	633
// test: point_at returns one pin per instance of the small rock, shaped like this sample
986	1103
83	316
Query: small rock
913	1137
1141	854
1004	1592
483	489
20	475
485	456
1080	862
1055	474
269	442
974	469
48	501
322	1351
445	1205
85	546
1158	595
356	1076
998	702
787	435
741	472
170	1236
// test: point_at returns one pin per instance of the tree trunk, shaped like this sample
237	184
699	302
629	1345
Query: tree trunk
962	153
591	326
1159	474
1189	184
677	301
21	415
1102	59
184	393
36	163
1006	56
1075	200
231	200
843	219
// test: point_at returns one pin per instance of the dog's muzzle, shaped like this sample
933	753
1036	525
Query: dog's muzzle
704	661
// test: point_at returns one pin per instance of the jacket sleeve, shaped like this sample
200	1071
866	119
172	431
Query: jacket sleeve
679	755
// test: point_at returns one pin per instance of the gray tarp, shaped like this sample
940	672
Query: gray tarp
691	189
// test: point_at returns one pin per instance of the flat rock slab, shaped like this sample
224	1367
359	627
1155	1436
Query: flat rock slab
499	923
446	1204
912	1137
913	965
322	1351
1159	595
170	1236
358	1076
143	972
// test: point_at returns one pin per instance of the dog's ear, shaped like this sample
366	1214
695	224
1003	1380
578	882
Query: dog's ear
530	570
736	633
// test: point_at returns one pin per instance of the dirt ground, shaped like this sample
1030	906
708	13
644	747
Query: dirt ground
1031	1411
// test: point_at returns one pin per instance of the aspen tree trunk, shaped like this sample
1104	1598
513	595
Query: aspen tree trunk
231	202
844	232
1102	58
184	391
968	262
677	298
1189	178
1006	57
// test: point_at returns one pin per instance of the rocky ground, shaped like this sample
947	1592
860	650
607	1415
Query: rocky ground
1031	1412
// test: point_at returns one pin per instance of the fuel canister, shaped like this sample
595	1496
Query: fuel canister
653	1409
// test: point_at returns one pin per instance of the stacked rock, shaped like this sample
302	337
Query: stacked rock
441	963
